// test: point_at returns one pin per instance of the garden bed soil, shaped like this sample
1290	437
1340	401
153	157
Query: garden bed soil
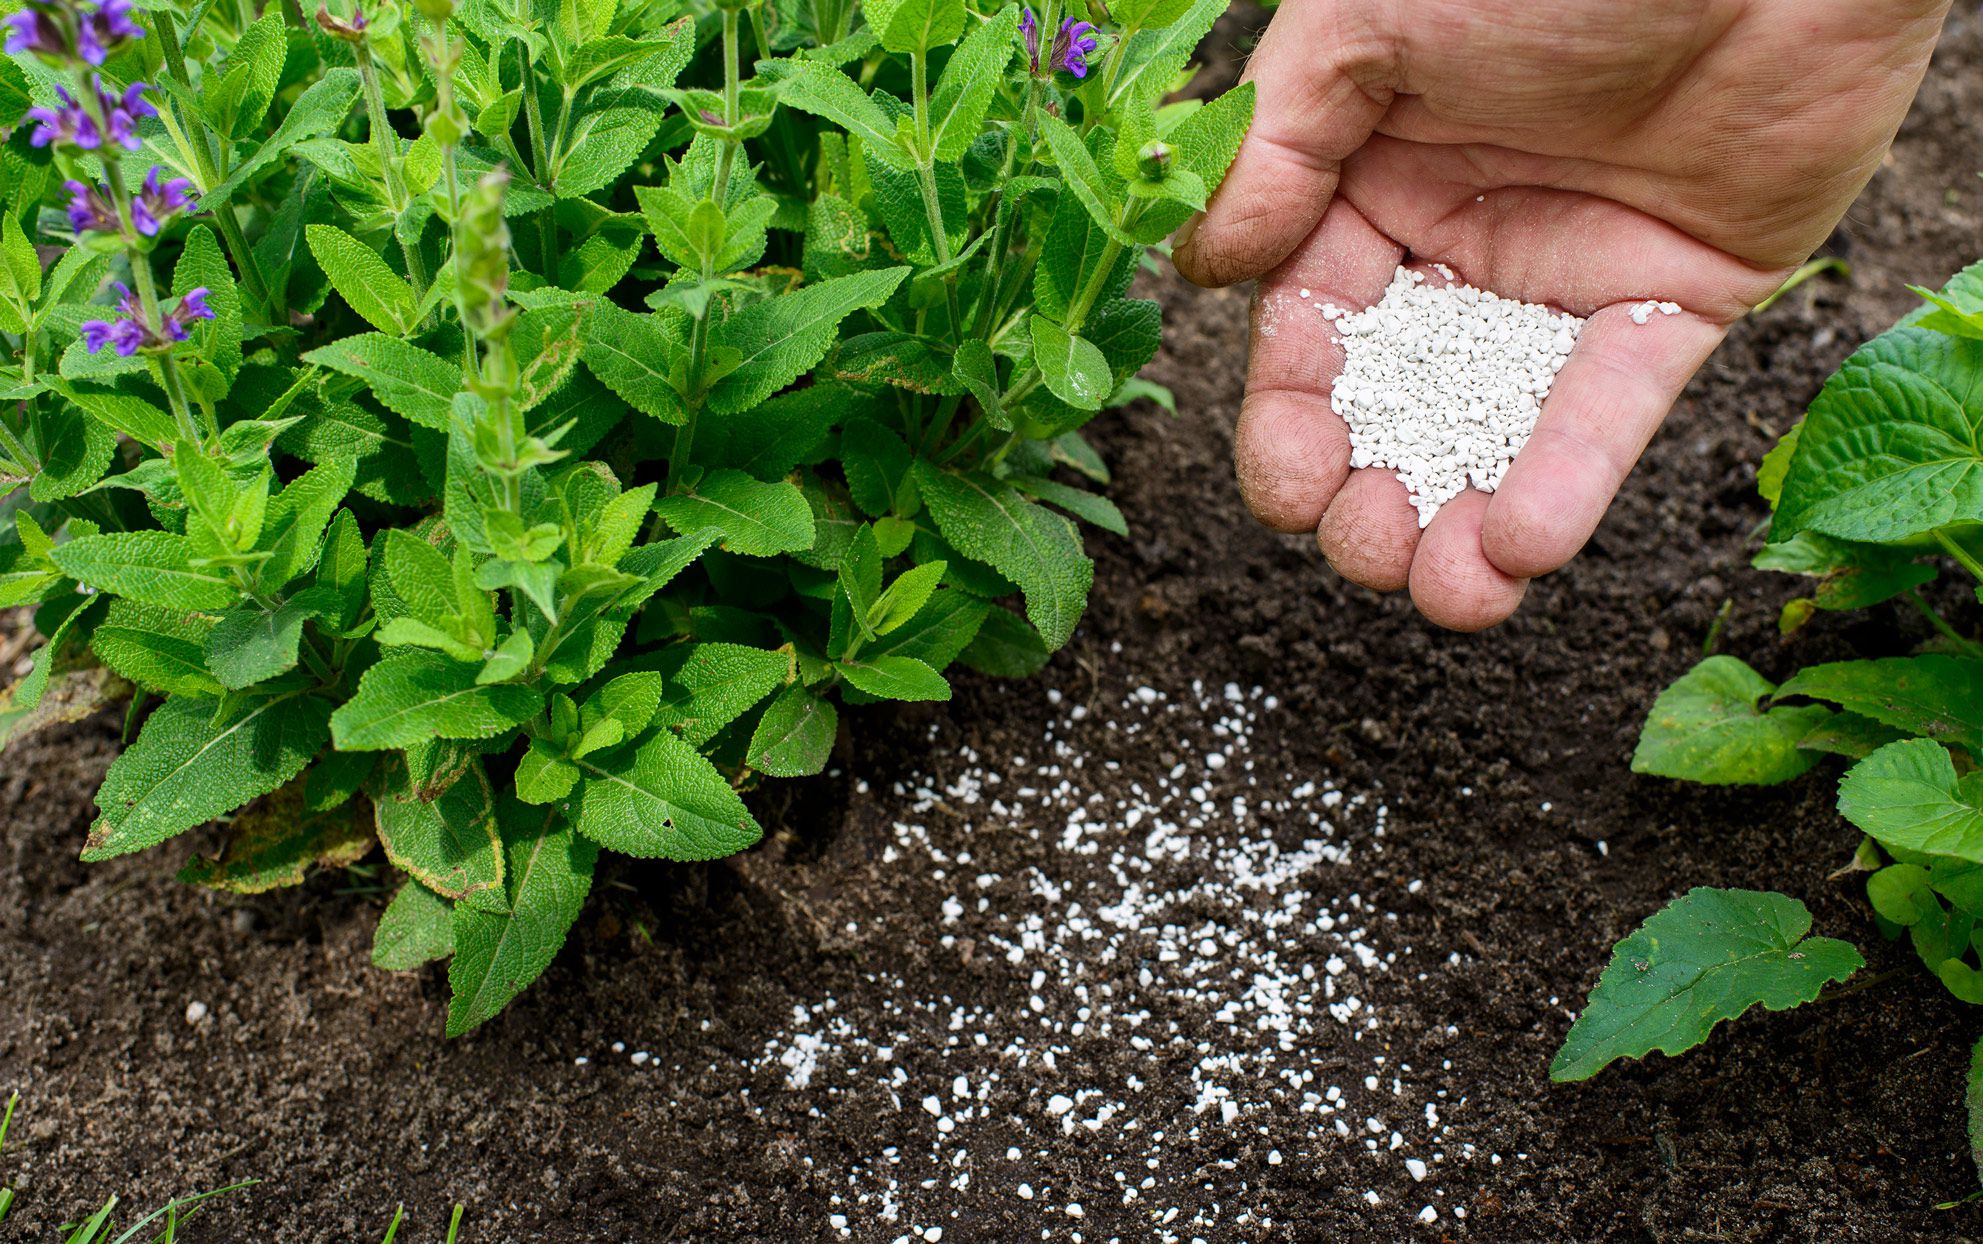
1051	890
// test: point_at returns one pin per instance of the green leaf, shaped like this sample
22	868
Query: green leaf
891	677
543	776
133	416
1850	575
719	683
1907	796
756	519
320	109
153	567
161	650
1939	697
915	25
795	736
1901	893
362	278
663	801
970	79
195	760
1849	734
1973	1099
905	597
990	521
1709	727
1075	369
496	956
1152	58
819	88
251	642
212	357
414	695
20	275
407	380
447	842
631	354
780	338
1097	195
277	841
1701	959
1006	647
1082	504
417	927
977	371
75	452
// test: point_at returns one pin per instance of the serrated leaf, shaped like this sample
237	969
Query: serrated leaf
153	567
277	841
664	800
756	519
1152	58
161	650
631	354
414	695
892	677
718	683
795	736
819	88
362	278
189	766
320	109
1939	697
496	956
780	338
1703	958
1098	196
915	25
1709	727
1075	369
416	927
407	380
252	642
1906	795
1850	575
977	371
448	843
970	78
989	521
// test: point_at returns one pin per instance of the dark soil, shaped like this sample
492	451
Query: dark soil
1502	759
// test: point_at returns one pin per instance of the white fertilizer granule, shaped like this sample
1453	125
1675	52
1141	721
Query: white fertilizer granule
1443	383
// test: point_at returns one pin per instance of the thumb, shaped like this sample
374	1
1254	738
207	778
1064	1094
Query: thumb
1321	75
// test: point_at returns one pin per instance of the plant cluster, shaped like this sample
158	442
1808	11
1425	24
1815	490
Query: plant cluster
502	429
1884	470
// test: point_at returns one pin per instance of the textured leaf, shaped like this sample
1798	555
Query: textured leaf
1702	959
1075	368
892	677
414	695
189	766
990	521
1907	796
780	338
795	736
755	518
362	278
320	109
251	643
152	567
1939	697
1099	196
1005	646
1152	58
1708	727
819	88
212	356
1850	575
161	650
631	355
407	380
718	683
416	927
915	25
663	800
977	371
970	78
496	956
277	841
449	843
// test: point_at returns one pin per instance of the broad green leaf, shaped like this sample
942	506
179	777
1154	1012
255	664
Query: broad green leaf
905	597
990	521
211	358
152	567
816	87
914	25
251	643
663	800
1850	575
190	765
1900	893
161	650
362	278
449	842
1076	371
892	677
1097	195
977	371
1939	697
277	841
970	79
75	452
1709	727
1204	146
1889	449
20	275
756	519
1005	646
415	695
416	927
320	109
1849	734
875	461
1082	504
1907	796
1152	58
293	532
543	776
719	683
780	338
631	354
795	736
407	380
133	416
1703	958
496	956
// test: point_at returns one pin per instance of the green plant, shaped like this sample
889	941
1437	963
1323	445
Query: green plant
1884	470
416	477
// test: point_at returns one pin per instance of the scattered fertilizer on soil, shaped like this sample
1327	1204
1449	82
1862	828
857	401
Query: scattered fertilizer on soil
1442	383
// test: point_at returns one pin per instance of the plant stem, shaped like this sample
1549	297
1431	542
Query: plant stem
926	186
387	144
1941	624
1961	554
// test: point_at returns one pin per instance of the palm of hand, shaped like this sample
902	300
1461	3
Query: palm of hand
1575	157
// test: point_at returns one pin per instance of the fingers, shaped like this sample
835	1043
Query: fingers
1311	73
1606	403
1291	452
1453	582
1370	531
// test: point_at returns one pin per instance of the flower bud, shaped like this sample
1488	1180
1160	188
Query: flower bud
352	31
1154	161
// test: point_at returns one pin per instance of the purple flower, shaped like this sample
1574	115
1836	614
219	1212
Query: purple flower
89	210
1071	44
127	334
88	30
72	123
157	203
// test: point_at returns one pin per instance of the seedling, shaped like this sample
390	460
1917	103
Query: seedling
501	433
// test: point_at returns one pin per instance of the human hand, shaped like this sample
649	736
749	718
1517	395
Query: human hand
1581	153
